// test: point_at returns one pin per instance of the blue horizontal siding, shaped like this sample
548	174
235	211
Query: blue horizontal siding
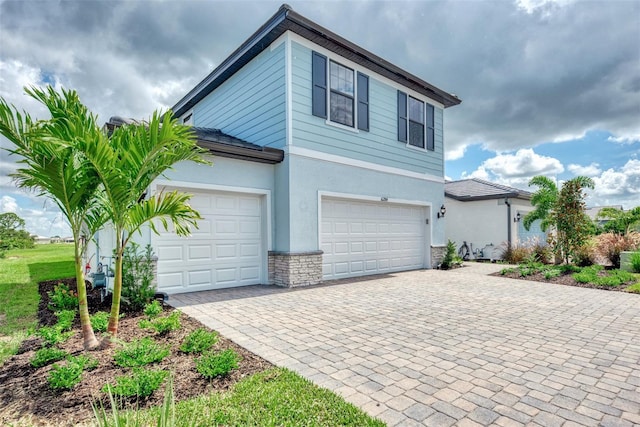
250	105
380	145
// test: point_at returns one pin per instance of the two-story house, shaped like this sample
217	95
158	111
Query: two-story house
329	163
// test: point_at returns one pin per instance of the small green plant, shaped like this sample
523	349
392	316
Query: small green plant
139	353
153	309
85	362
506	271
61	298
142	383
163	325
47	355
212	365
634	261
99	321
199	341
65	377
166	415
53	335
450	259
597	276
137	276
551	273
65	319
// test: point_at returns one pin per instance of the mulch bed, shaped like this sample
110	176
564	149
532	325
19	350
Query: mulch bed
564	279
25	396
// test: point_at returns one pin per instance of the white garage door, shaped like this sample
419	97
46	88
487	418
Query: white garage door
226	250
360	238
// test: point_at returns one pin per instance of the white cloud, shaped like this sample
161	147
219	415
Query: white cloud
591	170
8	204
618	186
531	6
629	138
455	153
524	163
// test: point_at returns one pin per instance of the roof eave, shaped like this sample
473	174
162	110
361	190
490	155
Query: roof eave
264	155
287	19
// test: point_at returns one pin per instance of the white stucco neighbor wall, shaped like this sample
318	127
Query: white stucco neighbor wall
483	222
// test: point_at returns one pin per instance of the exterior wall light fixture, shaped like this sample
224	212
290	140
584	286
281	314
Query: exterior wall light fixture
442	211
517	218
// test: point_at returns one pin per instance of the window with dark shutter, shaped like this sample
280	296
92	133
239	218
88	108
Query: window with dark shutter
363	102
430	127
416	122
402	116
319	80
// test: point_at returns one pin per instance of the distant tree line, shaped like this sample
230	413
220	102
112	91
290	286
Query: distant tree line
12	233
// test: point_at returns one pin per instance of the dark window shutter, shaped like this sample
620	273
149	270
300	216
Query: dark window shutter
363	102
319	82
430	127
402	116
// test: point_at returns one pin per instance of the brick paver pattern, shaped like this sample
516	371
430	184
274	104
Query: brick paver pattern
442	348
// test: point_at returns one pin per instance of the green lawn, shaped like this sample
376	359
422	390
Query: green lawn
20	272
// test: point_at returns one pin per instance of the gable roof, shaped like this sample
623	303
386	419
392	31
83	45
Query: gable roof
285	19
478	189
219	143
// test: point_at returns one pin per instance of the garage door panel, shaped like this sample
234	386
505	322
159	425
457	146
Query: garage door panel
200	252
368	237
226	251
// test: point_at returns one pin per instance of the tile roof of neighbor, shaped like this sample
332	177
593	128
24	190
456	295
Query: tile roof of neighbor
478	189
219	143
286	19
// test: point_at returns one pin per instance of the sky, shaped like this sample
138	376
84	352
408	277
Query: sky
549	87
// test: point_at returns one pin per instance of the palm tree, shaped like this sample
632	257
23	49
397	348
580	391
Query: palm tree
133	158
52	163
543	201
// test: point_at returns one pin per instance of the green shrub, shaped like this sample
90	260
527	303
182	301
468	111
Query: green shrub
142	383
65	319
47	355
213	365
61	298
65	377
137	276
198	341
53	335
139	353
163	325
595	276
99	321
450	259
541	252
587	274
634	261
153	309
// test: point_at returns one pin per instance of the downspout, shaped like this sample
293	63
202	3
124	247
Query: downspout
506	202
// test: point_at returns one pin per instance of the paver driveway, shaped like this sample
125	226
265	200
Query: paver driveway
444	348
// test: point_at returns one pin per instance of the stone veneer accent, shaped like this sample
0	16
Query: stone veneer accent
437	255
290	269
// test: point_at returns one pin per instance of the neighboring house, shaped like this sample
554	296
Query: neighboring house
487	216
329	163
593	211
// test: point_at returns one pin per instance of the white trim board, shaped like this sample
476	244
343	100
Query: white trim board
318	155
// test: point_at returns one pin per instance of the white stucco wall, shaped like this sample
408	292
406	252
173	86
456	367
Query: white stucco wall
483	222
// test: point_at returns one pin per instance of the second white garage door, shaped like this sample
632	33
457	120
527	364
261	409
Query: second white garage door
360	238
226	250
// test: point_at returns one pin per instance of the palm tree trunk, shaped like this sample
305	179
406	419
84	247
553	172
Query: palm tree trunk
89	340
112	329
